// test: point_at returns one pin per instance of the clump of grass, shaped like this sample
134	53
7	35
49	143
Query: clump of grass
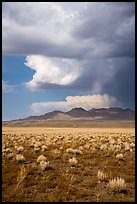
41	158
132	145
103	147
44	148
73	161
22	175
20	149
117	185
74	151
44	165
102	176
10	155
120	156
8	150
20	158
69	150
70	184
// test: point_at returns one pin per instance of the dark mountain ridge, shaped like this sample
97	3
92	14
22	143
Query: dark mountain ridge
112	113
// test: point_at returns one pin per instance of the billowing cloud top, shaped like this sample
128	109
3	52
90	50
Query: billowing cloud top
55	71
86	102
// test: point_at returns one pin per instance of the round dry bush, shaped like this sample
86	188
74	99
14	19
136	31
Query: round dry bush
44	165
10	155
132	145
20	149
20	158
102	176
73	161
120	156
81	148
117	184
8	150
41	158
69	150
36	149
44	148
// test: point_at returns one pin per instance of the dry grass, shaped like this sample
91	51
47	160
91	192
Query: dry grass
26	182
21	176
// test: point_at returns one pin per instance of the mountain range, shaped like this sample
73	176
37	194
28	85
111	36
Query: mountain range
112	113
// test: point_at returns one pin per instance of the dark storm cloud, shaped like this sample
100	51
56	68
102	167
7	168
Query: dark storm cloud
122	84
97	30
110	26
115	77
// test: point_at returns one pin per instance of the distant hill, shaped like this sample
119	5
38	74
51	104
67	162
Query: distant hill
45	116
78	113
112	113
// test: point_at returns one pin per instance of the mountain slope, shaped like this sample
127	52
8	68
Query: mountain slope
113	113
78	113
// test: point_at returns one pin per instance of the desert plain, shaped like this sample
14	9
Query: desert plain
91	163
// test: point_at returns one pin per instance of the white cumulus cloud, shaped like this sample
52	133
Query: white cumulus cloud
52	71
86	102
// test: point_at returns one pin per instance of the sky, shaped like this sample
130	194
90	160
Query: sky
62	55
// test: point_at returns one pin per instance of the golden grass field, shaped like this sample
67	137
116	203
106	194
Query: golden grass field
74	157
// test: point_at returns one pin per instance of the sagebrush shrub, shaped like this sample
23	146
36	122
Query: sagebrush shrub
117	184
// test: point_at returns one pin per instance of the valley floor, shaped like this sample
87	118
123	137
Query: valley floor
81	163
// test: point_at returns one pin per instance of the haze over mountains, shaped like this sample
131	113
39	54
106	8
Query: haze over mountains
113	113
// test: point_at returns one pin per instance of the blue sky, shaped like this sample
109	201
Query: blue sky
57	56
13	69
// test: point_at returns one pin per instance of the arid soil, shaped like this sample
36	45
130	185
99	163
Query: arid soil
94	149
